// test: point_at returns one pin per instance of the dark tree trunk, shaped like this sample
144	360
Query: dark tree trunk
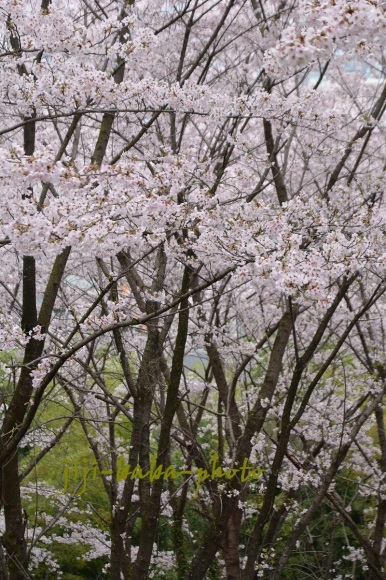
230	546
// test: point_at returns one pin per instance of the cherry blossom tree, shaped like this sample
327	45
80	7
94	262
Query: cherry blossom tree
192	230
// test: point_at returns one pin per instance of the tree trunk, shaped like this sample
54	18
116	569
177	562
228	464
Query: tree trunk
230	546
13	539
